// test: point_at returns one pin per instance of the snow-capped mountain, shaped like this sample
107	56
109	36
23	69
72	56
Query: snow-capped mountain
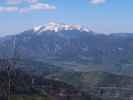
70	43
56	27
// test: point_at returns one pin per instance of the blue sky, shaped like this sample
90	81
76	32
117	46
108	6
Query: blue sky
106	16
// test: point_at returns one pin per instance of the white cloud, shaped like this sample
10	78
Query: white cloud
97	1
37	7
42	6
32	1
14	1
9	9
21	1
33	5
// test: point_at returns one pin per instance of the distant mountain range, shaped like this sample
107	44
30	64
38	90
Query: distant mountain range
74	46
97	64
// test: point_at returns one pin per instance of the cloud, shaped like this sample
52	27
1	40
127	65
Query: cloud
24	10
37	7
42	6
33	5
97	1
14	1
21	1
32	1
8	9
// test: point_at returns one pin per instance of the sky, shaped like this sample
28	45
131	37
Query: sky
102	16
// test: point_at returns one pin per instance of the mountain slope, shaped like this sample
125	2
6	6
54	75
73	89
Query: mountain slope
72	46
26	86
102	84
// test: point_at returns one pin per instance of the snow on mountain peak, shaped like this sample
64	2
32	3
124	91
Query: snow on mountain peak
37	28
52	26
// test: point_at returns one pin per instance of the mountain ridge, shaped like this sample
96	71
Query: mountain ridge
56	27
78	50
